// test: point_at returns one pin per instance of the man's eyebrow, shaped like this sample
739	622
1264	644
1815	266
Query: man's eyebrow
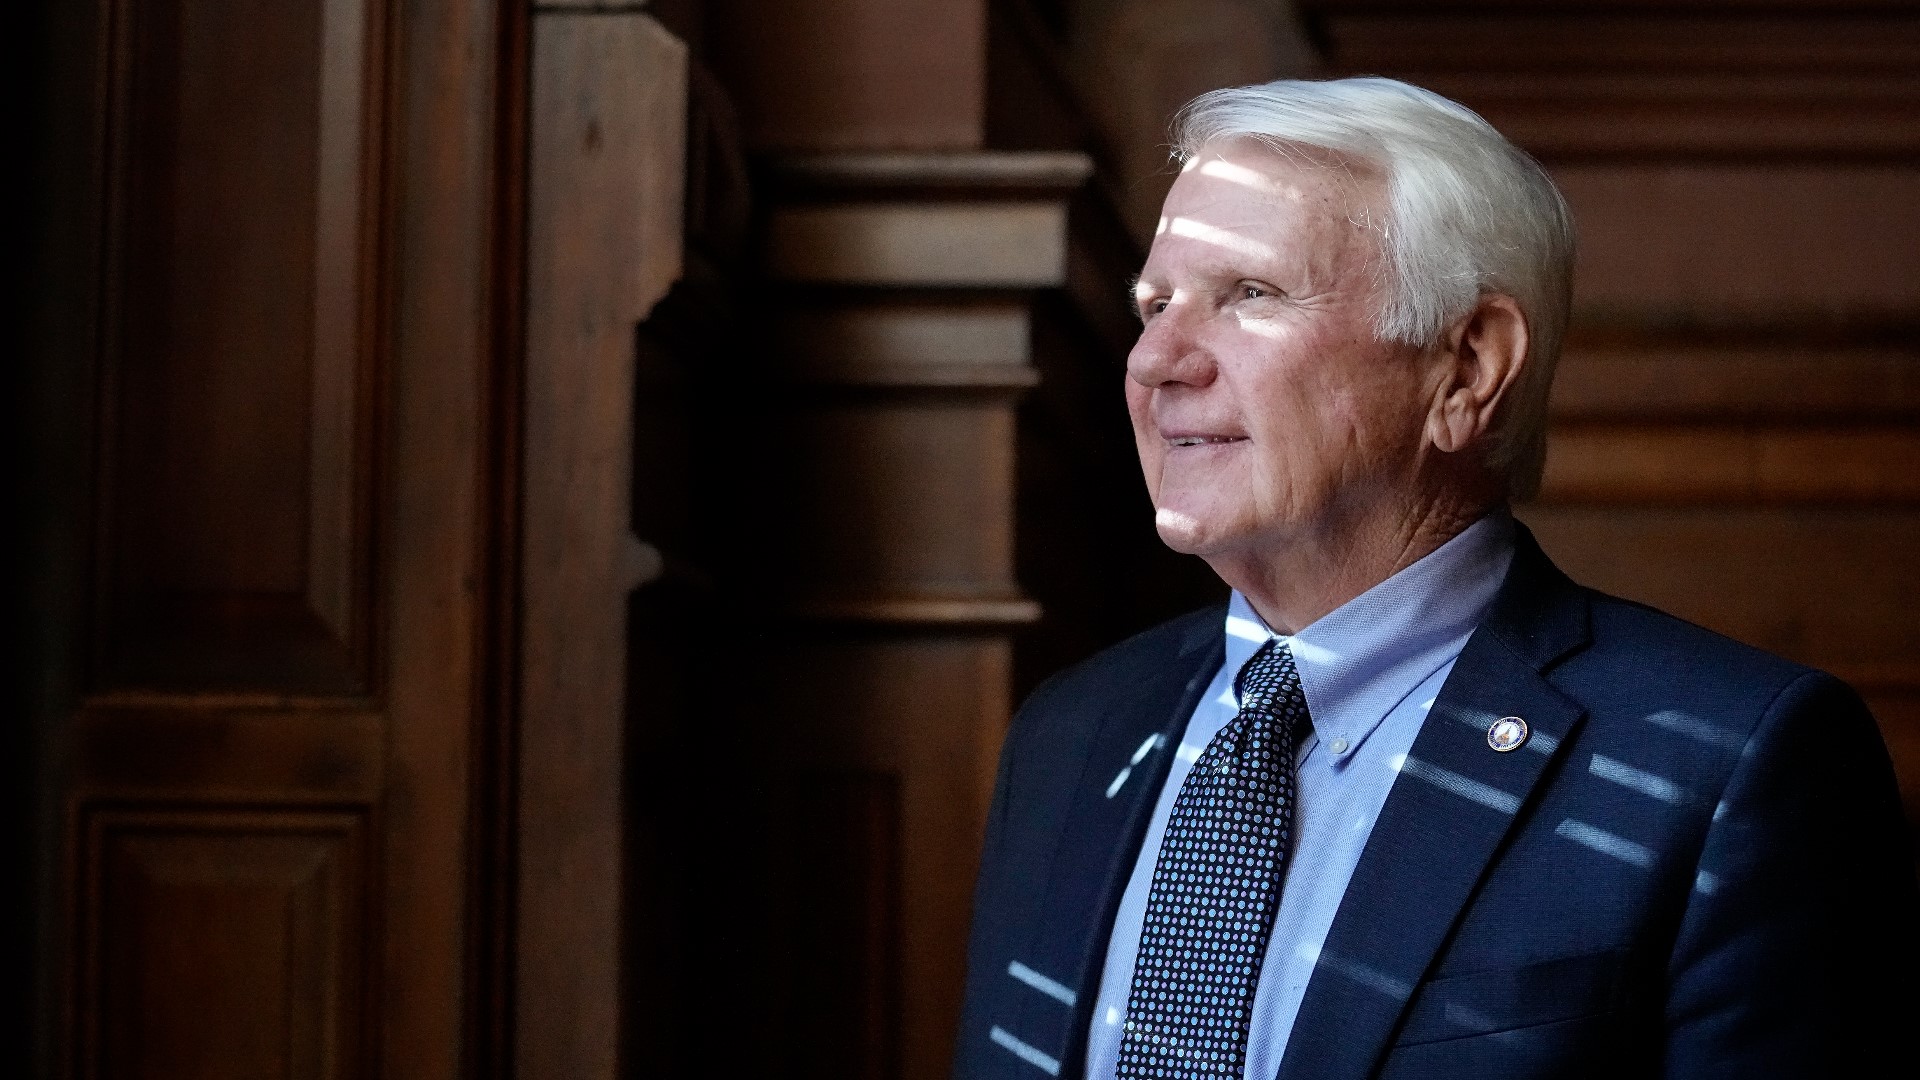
1133	298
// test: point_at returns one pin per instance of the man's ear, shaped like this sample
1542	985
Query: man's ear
1480	359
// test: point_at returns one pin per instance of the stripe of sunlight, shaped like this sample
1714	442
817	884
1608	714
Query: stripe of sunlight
1652	785
1453	783
1208	234
1697	729
1372	978
1053	988
1154	742
1606	843
1025	1051
1222	169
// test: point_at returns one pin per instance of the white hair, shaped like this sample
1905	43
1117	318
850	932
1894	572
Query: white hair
1467	213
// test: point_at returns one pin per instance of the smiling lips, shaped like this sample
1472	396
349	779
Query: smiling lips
1204	440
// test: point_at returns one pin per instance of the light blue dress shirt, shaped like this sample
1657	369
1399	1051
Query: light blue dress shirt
1370	669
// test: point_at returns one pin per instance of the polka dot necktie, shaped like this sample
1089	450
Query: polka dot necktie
1216	886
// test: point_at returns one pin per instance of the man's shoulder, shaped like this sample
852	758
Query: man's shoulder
1121	691
1665	638
1646	656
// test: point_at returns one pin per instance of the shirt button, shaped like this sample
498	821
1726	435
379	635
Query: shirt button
1338	746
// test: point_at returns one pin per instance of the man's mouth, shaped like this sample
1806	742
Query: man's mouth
1204	440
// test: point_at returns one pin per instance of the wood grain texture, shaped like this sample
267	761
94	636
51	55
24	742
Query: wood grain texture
855	74
901	497
1781	373
1684	83
451	231
1741	464
159	751
923	332
604	213
889	739
846	913
925	244
239	349
1733	242
224	944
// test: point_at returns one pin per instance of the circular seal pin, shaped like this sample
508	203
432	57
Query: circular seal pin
1508	733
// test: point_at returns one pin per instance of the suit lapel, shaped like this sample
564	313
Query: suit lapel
1451	807
1120	782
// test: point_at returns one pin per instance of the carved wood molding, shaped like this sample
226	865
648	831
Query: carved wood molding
973	174
605	180
916	273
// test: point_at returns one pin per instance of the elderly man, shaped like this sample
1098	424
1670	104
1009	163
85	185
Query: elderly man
1412	804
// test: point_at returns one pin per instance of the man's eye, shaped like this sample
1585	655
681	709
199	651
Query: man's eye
1253	292
1152	308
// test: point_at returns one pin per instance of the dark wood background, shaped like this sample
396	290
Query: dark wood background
536	516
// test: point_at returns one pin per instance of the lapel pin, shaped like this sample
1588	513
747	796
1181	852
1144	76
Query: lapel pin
1507	733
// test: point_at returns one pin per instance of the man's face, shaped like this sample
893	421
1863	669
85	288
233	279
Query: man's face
1264	410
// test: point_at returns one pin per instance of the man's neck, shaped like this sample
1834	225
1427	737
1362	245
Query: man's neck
1292	587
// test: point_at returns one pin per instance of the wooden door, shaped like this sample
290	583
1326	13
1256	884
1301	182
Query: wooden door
278	307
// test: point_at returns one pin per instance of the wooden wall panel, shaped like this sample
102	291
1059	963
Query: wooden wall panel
1727	81
902	496
238	373
845	913
1765	242
1714	370
888	745
225	944
228	762
1734	463
855	74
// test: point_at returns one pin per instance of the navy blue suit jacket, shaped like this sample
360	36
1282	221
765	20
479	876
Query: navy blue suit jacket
1744	907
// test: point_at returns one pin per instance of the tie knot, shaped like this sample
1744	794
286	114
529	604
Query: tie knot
1270	684
1267	673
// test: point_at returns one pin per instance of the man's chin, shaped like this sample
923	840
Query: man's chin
1188	534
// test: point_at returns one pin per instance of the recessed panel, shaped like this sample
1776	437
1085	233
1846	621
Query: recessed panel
237	335
223	945
901	498
846	921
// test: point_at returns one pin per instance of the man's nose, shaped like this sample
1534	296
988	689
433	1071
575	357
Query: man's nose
1170	352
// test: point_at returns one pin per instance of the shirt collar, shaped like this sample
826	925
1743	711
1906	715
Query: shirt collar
1360	661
